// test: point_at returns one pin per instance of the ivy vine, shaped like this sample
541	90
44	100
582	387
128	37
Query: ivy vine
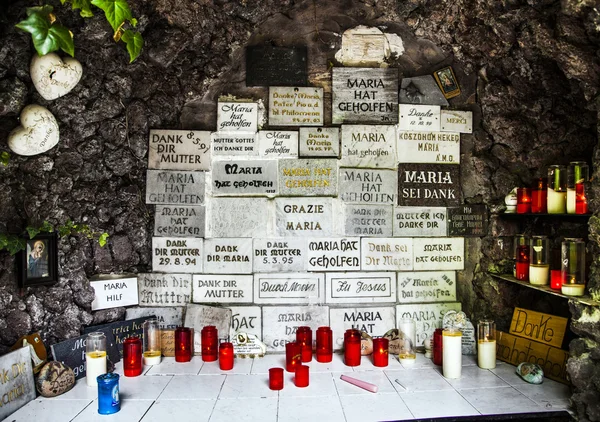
4	158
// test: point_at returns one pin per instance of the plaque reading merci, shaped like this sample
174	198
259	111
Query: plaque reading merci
544	328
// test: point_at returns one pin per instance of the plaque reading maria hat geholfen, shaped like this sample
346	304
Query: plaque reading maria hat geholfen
175	187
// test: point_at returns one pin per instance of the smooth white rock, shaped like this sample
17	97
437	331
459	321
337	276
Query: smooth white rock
37	133
54	77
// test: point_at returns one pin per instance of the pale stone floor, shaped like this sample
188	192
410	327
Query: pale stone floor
198	391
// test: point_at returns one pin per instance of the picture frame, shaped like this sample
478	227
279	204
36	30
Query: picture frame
38	262
446	80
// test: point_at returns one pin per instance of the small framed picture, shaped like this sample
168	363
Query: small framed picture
447	82
38	263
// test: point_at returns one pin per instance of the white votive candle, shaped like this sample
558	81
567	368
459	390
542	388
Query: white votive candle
571	201
573	289
486	354
538	274
95	363
556	202
452	353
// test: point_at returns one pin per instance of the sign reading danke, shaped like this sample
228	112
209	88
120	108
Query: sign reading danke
175	187
295	106
419	117
179	150
319	142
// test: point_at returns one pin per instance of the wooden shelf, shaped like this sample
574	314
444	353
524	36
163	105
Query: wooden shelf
586	300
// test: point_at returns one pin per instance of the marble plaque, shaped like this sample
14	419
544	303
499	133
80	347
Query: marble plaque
177	254
246	319
280	323
279	255
421	90
237	217
228	256
237	116
456	121
427	287
303	217
429	147
295	106
364	95
234	144
373	287
171	187
319	142
244	177
297	288
424	118
468	220
368	220
469	343
176	221
334	254
420	221
439	253
387	254
360	186
17	387
156	289
429	185
179	150
374	321
113	291
269	65
199	316
168	317
369	146
316	177
427	317
277	143
213	288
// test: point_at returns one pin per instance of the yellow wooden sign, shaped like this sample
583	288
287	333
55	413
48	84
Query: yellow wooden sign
544	328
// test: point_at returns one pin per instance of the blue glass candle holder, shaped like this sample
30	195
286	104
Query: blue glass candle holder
108	394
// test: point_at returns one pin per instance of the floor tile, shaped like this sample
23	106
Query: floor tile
80	391
246	386
119	368
47	410
262	365
336	365
427	404
427	379
469	360
550	394
191	387
475	377
180	411
310	409
366	364
375	407
508	373
320	384
499	400
131	410
142	387
374	377
168	366
240	366
245	409
420	362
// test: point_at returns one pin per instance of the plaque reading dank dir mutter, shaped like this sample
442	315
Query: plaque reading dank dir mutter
368	220
234	144
244	177
427	287
177	255
164	289
278	143
334	254
428	147
427	317
280	323
317	177
439	253
237	116
361	186
114	290
424	118
213	288
374	321
420	221
179	150
319	142
369	146
199	316
295	106
364	95
279	255
387	254
179	221
300	217
456	121
17	387
373	287
168	317
228	256
429	185
246	319
269	65
172	187
237	217
468	220
298	288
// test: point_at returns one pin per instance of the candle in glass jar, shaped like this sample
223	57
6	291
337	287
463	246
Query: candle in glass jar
226	356
581	203
352	339
555	279
486	344
380	351
183	344
293	356
437	347
324	344
557	190
95	357
276	378
538	274
152	351
522	265
577	175
573	267
304	339
301	378
523	200
452	360
539	197
210	343
132	356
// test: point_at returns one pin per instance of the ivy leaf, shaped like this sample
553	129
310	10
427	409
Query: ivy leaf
46	227
4	158
83	5
15	245
44	10
33	231
116	11
103	239
47	37
134	42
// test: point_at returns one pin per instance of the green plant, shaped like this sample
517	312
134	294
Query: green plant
48	35
4	158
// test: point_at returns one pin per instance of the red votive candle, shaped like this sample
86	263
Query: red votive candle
210	343
539	197
226	356
132	356
438	350
556	280
523	200
183	344
324	344
301	378
276	378
293	357
352	347
522	267
581	204
304	339
380	351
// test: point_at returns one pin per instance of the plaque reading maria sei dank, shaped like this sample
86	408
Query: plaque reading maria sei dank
268	65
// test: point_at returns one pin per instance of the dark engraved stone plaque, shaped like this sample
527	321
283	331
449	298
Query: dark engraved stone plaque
121	330
276	66
468	220
433	185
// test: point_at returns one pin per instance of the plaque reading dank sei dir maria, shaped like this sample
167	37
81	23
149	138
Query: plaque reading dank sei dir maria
269	65
428	147
424	118
179	150
429	185
369	146
237	116
295	106
171	187
319	142
391	254
177	255
244	177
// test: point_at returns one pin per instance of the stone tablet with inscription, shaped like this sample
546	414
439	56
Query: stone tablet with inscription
429	147
364	95
334	254
17	387
237	217
179	150
179	221
214	288
172	187
360	287
244	177
246	319
387	254
427	287
113	291
237	116
177	255
368	220
279	255
303	217
295	106
421	90
360	186
439	253
199	316
269	65
228	256
156	289
319	142
317	177
427	317
419	221
374	321
297	288
234	144
277	143
424	118
468	220
429	185
369	146
456	121
168	317
280	323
